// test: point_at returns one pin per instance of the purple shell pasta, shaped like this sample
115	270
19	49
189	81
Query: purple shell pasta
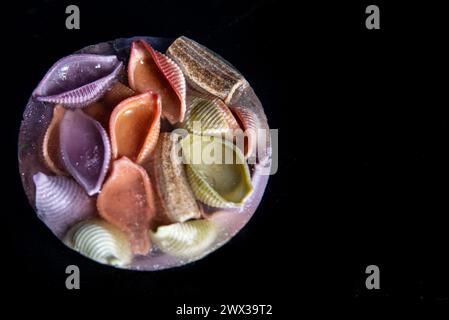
78	80
61	202
85	150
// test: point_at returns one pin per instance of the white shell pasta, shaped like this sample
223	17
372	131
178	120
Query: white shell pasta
101	242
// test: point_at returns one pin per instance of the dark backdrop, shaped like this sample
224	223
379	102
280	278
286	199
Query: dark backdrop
362	155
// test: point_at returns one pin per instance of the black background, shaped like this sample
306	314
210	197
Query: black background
362	153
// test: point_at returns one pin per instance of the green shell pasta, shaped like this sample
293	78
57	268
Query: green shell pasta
217	171
186	239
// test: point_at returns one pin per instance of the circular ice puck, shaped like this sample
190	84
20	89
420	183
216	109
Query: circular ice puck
144	153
